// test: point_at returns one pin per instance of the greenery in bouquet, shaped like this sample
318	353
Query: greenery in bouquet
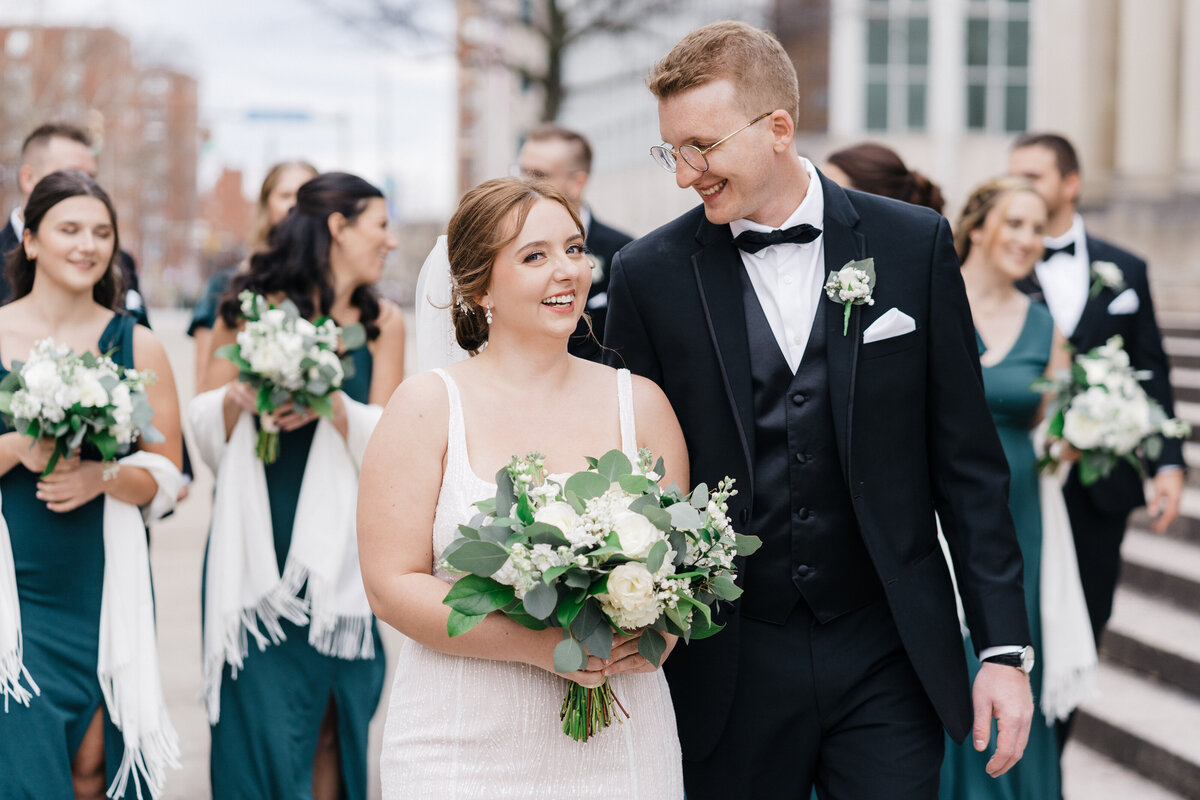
600	551
285	358
75	400
1100	409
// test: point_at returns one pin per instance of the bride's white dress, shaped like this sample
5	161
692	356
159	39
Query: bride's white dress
473	728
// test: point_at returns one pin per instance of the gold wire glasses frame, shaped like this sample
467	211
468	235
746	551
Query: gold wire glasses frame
693	156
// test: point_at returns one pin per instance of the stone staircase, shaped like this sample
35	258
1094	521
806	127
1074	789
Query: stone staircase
1146	718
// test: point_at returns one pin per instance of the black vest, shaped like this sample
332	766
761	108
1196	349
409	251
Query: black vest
812	547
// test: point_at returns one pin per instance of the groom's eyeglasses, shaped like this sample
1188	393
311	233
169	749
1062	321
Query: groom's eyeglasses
665	155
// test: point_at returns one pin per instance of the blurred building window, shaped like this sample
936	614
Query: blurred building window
897	75
997	54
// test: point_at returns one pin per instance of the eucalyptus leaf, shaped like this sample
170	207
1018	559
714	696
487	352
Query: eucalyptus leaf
506	497
685	517
725	588
569	608
658	518
516	612
480	558
552	574
578	579
702	629
747	545
569	656
613	465
591	627
354	336
545	533
540	601
634	484
699	498
494	533
586	485
467	532
658	552
652	645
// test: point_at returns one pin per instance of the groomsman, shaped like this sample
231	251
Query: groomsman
563	158
1121	304
56	147
846	428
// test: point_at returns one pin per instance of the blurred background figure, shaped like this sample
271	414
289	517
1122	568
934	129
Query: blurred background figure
871	167
293	723
563	158
55	147
999	238
1063	278
275	198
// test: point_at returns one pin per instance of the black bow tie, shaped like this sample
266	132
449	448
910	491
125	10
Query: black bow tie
753	241
1068	248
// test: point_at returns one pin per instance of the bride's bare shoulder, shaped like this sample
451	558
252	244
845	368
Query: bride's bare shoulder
423	395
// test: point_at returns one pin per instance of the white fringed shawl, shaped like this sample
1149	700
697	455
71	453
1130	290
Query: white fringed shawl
245	594
127	660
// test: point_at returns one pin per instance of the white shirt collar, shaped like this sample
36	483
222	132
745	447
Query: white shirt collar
1073	234
811	209
18	222
585	216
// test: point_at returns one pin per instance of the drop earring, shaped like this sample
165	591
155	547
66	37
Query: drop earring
488	315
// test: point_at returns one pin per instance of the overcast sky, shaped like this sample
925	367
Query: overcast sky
383	112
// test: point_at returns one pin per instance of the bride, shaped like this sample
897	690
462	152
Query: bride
477	715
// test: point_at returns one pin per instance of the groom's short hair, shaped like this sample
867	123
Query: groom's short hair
752	60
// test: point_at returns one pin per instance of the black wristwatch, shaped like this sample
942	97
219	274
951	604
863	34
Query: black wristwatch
1022	659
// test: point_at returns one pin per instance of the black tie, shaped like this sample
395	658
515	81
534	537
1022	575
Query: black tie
753	241
1049	252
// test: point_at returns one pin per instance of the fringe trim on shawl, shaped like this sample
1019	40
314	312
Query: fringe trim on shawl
155	751
12	672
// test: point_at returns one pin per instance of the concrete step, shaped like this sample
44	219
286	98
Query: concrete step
1088	775
1187	526
1162	567
1186	383
1155	638
1183	351
1144	726
1190	412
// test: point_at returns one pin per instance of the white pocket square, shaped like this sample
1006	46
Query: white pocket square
1125	303
894	322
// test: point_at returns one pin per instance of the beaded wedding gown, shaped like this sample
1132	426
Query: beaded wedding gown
472	728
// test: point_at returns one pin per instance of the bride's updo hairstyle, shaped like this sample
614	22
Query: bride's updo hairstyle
986	198
296	261
49	192
489	217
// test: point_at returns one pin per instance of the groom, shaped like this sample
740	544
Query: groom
843	660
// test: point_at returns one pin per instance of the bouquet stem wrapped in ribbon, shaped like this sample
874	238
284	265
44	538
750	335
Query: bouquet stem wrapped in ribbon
286	358
599	552
76	399
1100	409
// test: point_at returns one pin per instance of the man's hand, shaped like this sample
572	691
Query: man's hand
1002	693
1164	504
626	658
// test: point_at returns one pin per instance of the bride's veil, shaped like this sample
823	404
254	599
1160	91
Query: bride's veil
436	343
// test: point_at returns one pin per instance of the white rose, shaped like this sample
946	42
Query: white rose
122	404
637	534
1108	273
558	514
630	599
41	379
1083	421
1096	370
91	393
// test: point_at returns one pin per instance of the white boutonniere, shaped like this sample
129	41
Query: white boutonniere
598	266
852	286
1106	274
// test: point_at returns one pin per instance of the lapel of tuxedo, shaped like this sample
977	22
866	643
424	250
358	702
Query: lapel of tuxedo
1031	286
717	265
1095	309
843	243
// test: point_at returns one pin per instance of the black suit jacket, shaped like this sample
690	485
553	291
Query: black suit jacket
602	243
8	241
1122	490
913	429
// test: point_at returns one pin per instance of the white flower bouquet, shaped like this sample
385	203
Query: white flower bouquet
287	358
1101	410
600	551
76	399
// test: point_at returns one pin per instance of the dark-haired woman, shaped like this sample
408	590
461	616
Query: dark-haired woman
290	712
873	168
62	742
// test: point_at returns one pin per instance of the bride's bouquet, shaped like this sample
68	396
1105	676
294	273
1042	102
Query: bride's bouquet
600	551
76	399
287	358
1101	410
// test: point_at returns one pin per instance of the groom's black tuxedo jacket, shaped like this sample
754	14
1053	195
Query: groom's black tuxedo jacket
1122	490
913	432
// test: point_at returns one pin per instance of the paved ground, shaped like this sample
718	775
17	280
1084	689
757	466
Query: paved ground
177	551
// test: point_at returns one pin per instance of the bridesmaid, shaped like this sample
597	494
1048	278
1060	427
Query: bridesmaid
999	239
275	199
292	720
66	284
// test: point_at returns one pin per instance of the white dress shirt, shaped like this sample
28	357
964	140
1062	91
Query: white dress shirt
788	278
1066	278
18	222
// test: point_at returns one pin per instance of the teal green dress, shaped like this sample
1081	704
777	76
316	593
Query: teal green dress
59	561
263	744
1014	405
